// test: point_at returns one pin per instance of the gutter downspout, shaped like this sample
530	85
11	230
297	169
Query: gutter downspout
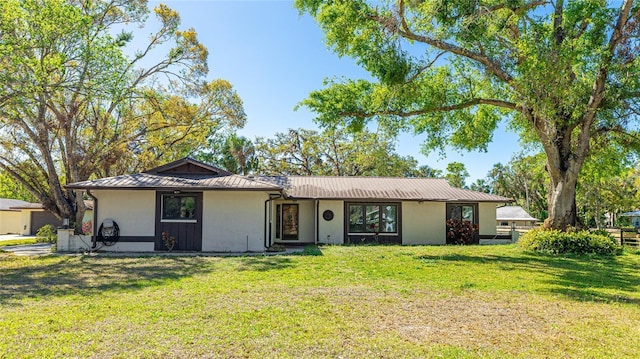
317	224
94	242
268	217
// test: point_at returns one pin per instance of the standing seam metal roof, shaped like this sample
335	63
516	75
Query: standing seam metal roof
383	188
293	187
150	181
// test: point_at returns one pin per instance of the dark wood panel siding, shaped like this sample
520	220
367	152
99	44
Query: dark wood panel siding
188	235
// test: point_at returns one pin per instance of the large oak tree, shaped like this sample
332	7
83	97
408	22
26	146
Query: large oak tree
332	153
563	73
76	103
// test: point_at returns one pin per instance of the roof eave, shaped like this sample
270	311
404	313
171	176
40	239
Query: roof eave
156	188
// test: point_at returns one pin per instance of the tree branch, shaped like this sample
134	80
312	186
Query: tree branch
407	33
459	106
597	94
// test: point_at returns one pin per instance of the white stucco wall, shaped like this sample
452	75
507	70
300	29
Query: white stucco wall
487	218
10	222
133	211
423	223
233	221
68	242
306	231
331	232
25	222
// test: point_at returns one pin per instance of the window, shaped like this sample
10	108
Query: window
178	208
373	218
463	212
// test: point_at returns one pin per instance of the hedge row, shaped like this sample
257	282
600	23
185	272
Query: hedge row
577	242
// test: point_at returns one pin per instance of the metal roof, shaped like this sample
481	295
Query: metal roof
189	174
380	188
184	182
630	214
513	213
29	206
7	204
303	187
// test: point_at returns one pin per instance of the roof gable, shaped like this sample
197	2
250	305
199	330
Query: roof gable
187	166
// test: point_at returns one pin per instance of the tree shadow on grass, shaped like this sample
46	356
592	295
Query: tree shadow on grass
266	263
44	277
277	261
578	278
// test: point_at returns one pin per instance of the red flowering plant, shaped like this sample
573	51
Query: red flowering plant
461	232
87	227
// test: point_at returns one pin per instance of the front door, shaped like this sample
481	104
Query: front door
290	222
179	217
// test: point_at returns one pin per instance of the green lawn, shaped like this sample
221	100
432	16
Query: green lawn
351	302
17	242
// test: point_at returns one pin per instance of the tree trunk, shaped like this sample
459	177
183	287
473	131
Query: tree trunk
562	202
79	216
564	163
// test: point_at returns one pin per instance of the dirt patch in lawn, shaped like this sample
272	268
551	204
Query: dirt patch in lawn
516	323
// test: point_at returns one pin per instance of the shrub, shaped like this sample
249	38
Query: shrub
46	234
461	232
570	242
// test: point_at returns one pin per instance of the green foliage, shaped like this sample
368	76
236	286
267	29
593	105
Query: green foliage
457	174
561	73
608	187
47	234
570	242
525	180
74	105
236	154
10	188
332	153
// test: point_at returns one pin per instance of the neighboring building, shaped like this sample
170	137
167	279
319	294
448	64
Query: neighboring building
514	216
24	218
634	218
211	210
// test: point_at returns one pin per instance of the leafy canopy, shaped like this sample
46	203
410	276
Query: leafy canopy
74	104
564	74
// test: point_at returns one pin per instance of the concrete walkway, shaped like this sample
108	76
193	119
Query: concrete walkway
38	249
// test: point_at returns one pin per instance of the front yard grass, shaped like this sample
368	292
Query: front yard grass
18	242
351	302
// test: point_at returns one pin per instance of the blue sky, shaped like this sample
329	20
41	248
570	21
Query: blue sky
275	57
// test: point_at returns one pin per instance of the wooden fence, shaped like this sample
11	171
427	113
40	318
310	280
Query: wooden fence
630	237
